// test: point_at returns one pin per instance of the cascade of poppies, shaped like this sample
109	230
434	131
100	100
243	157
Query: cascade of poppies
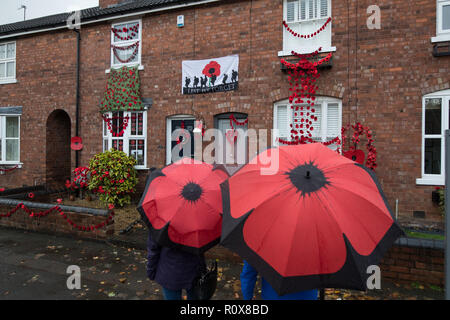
122	91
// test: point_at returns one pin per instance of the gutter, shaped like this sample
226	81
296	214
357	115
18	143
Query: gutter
119	16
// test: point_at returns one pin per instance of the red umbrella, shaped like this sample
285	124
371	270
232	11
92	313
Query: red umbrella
318	222
182	205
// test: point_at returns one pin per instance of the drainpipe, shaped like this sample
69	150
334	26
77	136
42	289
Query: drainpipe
77	110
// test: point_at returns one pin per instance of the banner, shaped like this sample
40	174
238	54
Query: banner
212	75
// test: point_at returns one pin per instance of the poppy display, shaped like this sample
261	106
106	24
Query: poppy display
318	221
182	205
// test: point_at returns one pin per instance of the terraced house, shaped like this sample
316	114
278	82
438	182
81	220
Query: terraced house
388	71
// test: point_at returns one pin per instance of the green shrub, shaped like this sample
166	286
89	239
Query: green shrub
113	177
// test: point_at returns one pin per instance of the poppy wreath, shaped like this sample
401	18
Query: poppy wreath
122	91
212	70
358	155
45	213
134	31
307	36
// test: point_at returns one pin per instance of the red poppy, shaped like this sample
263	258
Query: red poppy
111	206
76	143
31	195
59	201
2	189
212	69
356	155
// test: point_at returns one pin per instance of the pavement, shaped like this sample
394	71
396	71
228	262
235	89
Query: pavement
33	266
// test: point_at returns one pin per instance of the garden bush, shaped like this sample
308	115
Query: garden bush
113	177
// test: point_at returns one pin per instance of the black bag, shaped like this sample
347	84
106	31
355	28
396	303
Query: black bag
205	285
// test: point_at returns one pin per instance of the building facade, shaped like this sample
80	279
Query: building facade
389	71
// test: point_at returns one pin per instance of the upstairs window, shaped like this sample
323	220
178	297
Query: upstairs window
126	44
306	17
7	61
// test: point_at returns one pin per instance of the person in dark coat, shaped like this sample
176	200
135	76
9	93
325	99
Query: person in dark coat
248	281
173	269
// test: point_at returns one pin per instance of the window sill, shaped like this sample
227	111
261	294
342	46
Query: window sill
142	168
141	67
8	81
306	51
441	38
438	181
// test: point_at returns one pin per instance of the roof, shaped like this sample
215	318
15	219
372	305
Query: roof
90	14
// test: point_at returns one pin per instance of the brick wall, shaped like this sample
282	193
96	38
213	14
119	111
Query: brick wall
420	265
380	75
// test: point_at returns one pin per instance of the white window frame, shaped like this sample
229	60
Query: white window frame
324	102
126	43
169	133
127	136
435	179
3	139
304	50
6	79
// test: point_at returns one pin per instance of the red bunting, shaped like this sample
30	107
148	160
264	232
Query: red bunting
307	36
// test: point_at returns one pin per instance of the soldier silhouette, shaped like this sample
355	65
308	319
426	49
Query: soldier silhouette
196	81
204	81
187	82
225	78
234	76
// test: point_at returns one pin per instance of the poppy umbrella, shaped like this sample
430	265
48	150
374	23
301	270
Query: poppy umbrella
182	205
318	222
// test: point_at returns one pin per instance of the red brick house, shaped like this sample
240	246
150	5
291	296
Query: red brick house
393	79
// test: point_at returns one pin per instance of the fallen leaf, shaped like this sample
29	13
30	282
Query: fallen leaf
123	280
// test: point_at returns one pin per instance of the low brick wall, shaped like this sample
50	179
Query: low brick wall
54	223
404	264
401	264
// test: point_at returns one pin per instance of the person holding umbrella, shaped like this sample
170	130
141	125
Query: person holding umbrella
182	207
248	281
173	269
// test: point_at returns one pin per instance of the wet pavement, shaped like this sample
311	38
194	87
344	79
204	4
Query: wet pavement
34	266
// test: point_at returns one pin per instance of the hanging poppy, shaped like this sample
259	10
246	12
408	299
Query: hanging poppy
76	143
356	155
212	69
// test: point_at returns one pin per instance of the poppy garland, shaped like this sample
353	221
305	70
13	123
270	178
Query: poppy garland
307	36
